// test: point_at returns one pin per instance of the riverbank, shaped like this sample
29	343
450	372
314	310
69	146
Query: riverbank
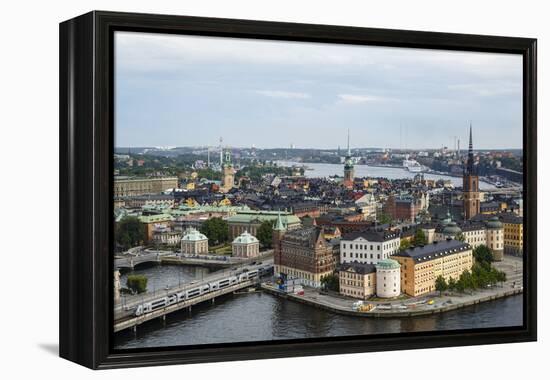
412	306
418	307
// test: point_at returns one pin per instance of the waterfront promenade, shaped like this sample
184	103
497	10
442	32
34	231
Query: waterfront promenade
413	306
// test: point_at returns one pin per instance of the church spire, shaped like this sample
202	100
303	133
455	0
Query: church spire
349	150
279	225
470	162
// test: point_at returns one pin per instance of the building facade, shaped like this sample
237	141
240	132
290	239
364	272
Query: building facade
134	186
369	246
388	278
194	243
245	245
420	266
303	253
476	232
495	238
155	222
166	236
357	280
513	234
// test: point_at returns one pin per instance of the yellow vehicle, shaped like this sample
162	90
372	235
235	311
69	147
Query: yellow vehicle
367	307
430	302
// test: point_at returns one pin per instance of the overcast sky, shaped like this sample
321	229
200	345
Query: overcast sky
188	91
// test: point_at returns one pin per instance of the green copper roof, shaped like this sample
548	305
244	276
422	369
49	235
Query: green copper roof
155	218
279	226
261	216
245	238
494	223
192	234
452	229
387	264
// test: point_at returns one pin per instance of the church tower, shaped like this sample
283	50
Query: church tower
228	180
348	169
470	184
279	230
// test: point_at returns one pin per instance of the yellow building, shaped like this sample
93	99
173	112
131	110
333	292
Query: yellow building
357	280
420	266
131	186
513	234
153	222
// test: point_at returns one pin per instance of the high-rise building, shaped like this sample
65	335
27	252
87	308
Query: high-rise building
470	187
348	169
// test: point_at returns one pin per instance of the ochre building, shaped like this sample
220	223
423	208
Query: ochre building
420	266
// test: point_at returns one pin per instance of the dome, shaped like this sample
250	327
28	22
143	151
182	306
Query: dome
494	223
452	229
245	238
192	234
387	264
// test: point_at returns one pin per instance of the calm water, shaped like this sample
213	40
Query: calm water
260	316
327	170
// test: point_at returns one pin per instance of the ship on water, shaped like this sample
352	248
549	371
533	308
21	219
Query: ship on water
412	165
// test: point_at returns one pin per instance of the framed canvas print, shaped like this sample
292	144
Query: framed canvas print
236	190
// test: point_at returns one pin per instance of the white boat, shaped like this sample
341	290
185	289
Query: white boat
412	165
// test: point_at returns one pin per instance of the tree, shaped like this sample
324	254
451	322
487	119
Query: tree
500	276
419	238
440	284
331	282
129	232
384	218
460	284
265	234
451	285
216	229
137	283
405	244
460	237
483	255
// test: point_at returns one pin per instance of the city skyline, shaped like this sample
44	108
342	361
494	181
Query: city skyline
310	94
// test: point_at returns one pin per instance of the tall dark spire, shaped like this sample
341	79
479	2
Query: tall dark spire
470	164
349	150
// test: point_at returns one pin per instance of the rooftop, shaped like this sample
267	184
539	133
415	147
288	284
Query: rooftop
371	235
357	268
245	238
435	250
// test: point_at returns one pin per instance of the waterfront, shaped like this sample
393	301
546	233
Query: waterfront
261	316
327	170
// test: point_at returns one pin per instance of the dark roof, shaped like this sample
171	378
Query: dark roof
489	205
437	249
357	267
471	226
371	235
510	218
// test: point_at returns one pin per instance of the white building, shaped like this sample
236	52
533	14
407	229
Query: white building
245	245
193	242
367	204
368	247
388	278
475	233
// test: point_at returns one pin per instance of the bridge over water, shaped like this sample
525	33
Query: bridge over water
125	310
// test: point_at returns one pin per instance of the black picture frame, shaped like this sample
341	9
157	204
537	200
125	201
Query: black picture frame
86	187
